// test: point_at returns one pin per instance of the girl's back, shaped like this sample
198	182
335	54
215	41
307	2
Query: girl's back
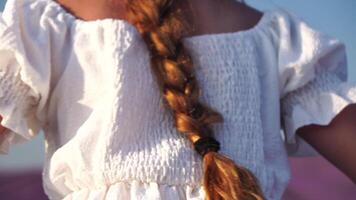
210	17
85	79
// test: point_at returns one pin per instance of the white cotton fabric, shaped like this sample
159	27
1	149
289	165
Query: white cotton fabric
88	86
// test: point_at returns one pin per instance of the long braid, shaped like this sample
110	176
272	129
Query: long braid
162	28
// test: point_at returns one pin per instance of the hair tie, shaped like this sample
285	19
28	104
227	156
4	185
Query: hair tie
206	144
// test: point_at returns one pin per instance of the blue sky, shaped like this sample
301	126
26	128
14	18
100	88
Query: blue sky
336	18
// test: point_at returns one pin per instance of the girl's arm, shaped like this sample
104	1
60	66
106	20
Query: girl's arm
336	141
2	129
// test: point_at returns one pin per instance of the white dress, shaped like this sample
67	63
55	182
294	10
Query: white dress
88	86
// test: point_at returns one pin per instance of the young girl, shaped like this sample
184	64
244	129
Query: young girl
163	99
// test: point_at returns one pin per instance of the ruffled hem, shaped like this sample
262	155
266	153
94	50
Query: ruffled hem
17	97
319	110
19	129
16	106
136	190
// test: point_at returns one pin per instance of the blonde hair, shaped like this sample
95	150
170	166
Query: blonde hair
162	27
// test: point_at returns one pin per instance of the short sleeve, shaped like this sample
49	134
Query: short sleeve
313	80
23	86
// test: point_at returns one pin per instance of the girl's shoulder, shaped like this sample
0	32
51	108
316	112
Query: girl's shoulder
45	21
38	16
241	17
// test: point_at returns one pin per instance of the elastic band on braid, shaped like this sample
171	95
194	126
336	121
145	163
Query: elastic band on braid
206	144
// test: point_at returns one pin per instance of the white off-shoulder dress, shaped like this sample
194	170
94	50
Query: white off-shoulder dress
88	86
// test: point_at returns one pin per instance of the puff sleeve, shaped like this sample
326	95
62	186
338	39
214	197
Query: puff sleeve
23	84
313	80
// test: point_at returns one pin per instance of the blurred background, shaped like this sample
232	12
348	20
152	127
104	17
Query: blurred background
313	178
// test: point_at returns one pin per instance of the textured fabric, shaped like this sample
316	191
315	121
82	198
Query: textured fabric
88	86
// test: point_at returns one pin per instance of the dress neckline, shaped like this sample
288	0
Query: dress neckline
264	19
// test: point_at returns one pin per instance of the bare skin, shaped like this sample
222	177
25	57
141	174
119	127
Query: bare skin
2	129
209	16
334	141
